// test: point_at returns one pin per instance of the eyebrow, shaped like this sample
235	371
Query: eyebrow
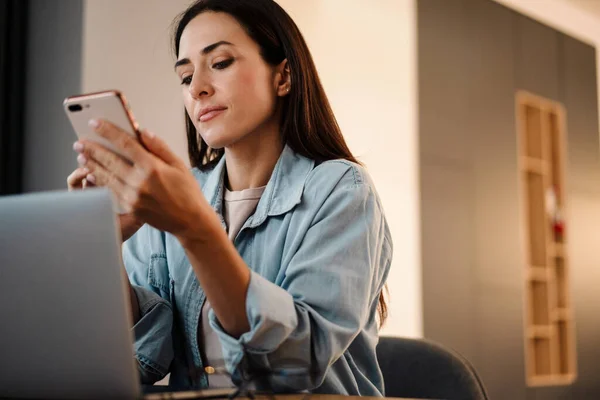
204	51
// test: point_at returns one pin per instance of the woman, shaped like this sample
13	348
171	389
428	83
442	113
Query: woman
268	258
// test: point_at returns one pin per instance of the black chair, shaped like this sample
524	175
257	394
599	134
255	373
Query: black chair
422	369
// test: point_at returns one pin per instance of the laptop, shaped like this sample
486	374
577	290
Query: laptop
65	324
64	315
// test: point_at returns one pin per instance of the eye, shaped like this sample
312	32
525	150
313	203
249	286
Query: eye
223	64
186	80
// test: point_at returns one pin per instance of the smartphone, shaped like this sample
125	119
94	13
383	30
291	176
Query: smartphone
109	105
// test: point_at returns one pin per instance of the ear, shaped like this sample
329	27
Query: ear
283	79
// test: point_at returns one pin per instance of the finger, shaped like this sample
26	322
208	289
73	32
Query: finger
76	178
109	160
122	140
103	177
90	179
159	148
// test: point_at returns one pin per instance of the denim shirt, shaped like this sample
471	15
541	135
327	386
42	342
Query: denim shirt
319	250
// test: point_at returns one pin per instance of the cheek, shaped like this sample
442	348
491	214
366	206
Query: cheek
187	102
248	78
255	94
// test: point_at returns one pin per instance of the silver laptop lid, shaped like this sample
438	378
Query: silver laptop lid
64	315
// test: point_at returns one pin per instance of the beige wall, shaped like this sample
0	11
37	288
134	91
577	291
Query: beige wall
126	47
365	53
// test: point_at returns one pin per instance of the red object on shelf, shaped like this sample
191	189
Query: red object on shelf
554	211
559	227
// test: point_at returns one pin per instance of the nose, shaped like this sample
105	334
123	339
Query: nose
199	87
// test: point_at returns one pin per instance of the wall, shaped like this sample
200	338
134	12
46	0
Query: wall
473	56
577	18
53	73
126	46
368	73
472	295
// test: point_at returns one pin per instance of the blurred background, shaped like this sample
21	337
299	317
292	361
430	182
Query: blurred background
478	120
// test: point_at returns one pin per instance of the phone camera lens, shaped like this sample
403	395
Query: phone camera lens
75	107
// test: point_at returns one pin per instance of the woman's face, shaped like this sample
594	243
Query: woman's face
229	91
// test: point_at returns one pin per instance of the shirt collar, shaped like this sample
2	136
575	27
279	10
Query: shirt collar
283	192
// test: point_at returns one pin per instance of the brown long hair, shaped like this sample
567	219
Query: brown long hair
308	125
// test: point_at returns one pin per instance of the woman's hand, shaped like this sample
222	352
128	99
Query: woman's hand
81	178
156	187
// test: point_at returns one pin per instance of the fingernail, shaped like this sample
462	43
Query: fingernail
148	134
91	178
86	171
77	146
94	123
81	159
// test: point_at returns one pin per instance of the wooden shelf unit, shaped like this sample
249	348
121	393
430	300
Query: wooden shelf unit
549	327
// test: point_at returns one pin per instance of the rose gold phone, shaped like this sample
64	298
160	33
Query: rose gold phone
109	105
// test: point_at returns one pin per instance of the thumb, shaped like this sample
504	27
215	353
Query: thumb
159	148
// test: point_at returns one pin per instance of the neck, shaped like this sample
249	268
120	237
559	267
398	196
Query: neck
250	162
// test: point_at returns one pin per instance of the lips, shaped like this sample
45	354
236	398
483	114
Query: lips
208	113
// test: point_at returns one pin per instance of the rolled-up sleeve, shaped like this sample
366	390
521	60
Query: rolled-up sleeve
153	346
299	328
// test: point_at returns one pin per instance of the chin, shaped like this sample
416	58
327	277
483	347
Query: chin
218	139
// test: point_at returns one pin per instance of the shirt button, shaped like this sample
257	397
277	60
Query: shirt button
209	370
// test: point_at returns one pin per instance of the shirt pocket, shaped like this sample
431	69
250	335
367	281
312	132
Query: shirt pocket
159	278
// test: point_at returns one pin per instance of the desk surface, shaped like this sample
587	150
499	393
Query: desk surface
216	393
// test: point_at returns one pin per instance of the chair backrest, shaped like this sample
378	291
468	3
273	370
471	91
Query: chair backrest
422	369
